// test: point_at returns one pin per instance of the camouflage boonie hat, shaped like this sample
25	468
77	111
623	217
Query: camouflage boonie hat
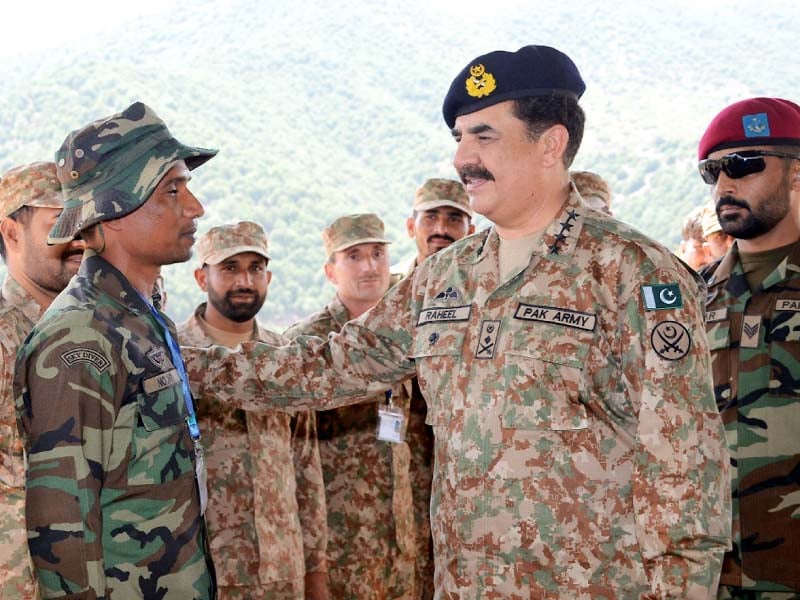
352	230
222	242
110	167
442	192
34	184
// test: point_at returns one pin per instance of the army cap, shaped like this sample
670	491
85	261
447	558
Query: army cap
709	220
594	190
442	192
110	167
752	122
499	76
221	242
34	184
352	230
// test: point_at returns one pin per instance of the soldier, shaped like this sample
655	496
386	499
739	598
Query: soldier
266	512
750	154
371	542
115	482
30	202
441	216
563	357
691	250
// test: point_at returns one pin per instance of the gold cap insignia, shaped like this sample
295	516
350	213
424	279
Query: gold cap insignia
480	83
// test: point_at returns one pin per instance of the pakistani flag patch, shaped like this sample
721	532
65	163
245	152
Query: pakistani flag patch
662	296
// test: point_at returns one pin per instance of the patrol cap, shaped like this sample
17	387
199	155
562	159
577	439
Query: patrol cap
709	220
594	190
221	242
352	230
34	184
752	122
442	192
110	167
500	76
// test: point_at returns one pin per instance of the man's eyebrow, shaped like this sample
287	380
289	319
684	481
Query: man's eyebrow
474	130
176	179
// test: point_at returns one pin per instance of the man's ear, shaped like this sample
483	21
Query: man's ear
555	142
10	230
329	273
201	277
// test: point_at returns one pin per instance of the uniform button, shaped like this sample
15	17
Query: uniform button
62	162
79	153
74	174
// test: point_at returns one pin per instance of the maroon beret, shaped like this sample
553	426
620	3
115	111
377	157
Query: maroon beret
752	122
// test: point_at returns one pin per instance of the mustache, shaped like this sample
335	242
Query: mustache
241	291
437	236
473	172
731	201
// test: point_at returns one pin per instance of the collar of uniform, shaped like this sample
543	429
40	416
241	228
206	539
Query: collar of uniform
338	312
785	269
730	265
105	277
16	296
559	237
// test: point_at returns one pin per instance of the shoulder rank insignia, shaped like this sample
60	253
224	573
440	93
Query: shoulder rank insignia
480	83
662	296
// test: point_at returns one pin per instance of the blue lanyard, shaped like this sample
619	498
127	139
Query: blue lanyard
177	361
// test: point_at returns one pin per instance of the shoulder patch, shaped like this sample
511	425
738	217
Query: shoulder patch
662	296
85	355
671	340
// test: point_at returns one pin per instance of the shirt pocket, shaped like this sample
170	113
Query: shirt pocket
438	353
158	452
544	383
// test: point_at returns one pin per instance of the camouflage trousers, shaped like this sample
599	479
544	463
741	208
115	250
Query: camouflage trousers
727	592
292	589
16	579
391	579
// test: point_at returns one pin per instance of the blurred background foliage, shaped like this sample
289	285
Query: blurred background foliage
325	108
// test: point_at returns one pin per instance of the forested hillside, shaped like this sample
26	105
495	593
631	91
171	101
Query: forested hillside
325	108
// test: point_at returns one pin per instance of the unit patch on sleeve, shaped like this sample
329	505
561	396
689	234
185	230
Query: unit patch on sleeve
487	340
662	296
87	356
439	315
556	316
671	340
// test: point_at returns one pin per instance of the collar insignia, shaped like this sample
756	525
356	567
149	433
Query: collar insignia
480	83
560	238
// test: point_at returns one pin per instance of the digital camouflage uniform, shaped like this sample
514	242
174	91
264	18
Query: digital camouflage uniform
112	503
419	436
18	313
579	452
754	338
371	533
266	511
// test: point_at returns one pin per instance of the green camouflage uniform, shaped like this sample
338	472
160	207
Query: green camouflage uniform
754	338
112	502
367	490
266	512
579	452
18	313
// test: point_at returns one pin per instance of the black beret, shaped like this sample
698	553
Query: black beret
500	76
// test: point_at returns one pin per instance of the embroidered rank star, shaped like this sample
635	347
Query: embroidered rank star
662	296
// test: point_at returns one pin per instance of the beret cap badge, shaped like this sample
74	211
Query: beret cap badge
480	83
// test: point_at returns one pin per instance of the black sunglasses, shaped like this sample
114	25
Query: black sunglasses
737	165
